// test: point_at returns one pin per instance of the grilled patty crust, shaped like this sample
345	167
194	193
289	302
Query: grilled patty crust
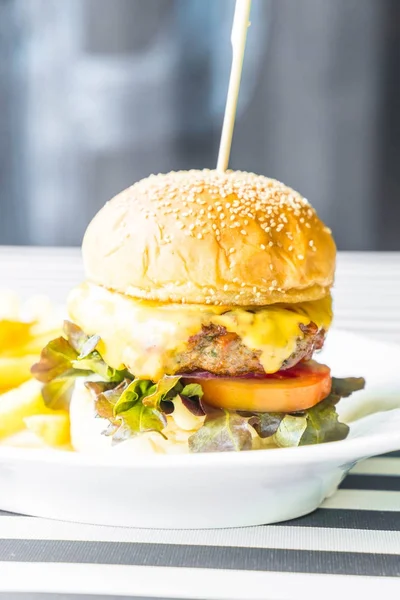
220	352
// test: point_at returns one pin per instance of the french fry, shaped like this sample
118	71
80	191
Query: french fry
34	345
53	428
25	329
15	370
14	334
19	403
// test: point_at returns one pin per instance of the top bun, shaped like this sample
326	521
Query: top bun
208	237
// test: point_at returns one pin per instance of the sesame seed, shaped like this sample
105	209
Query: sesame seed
243	232
290	248
300	256
270	244
252	197
226	287
231	250
311	243
262	246
199	236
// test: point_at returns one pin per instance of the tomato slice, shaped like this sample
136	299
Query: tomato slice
292	390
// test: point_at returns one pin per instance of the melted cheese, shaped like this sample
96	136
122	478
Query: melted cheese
144	336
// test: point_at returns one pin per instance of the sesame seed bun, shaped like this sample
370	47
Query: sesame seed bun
207	237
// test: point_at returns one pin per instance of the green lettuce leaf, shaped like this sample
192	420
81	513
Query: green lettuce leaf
57	393
106	395
290	431
319	424
66	358
265	424
167	387
75	336
323	423
133	407
55	360
89	346
139	419
224	433
343	388
192	404
136	391
192	390
190	396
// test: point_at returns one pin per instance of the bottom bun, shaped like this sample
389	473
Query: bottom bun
87	430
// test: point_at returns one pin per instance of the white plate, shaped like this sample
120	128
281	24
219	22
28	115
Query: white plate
215	490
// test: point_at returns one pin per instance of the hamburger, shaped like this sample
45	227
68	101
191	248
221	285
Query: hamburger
207	295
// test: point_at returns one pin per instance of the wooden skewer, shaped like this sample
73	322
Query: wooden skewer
238	41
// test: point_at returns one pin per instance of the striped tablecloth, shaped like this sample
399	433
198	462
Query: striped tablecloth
349	547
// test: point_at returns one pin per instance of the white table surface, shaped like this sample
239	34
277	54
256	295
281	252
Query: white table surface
349	547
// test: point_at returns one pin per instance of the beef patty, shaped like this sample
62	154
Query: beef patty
218	351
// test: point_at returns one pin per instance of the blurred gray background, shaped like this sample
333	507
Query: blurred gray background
95	94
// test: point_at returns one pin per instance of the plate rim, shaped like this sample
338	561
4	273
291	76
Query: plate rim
329	452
